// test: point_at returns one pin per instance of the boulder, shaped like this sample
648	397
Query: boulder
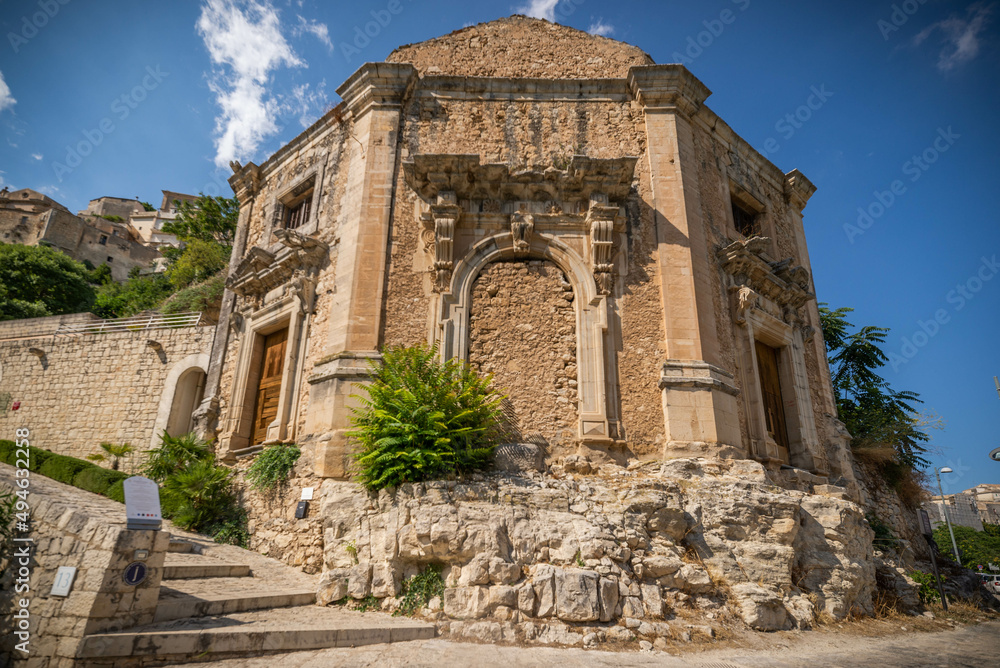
576	595
761	607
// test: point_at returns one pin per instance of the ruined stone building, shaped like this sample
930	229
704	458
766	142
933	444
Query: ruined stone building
557	210
28	217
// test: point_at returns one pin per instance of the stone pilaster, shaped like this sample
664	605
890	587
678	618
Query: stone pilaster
373	99
698	396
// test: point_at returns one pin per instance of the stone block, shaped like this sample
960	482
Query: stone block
576	595
360	580
544	586
467	602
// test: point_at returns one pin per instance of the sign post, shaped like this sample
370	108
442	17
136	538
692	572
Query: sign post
925	524
142	504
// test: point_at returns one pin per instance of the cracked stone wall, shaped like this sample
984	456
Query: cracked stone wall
523	331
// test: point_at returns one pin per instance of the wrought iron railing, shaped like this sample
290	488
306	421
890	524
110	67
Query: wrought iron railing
134	324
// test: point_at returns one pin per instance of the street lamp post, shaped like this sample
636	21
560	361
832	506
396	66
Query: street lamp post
944	505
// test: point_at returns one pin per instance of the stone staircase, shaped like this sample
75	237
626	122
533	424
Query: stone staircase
212	606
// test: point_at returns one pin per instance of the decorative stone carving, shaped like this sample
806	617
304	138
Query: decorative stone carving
745	298
601	217
443	219
261	271
784	283
491	205
521	226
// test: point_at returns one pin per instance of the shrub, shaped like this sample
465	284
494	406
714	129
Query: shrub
63	468
419	590
175	453
204	296
272	466
98	480
199	495
928	586
117	493
233	530
114	452
36	456
884	539
423	419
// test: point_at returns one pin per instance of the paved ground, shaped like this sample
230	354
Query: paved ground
971	646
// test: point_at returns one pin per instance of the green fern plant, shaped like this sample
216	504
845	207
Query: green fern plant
272	466
423	419
113	451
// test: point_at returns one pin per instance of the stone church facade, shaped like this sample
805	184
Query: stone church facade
555	209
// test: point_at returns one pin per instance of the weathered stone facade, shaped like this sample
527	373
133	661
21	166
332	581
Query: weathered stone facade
76	391
681	248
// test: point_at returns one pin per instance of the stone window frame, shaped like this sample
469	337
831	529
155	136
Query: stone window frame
289	312
281	198
800	422
738	196
453	325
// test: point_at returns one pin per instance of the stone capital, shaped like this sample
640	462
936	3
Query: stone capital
669	87
376	85
245	181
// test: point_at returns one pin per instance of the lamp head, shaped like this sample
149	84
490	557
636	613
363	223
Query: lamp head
946	470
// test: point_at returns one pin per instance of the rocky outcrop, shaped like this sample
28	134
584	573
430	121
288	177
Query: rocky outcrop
631	545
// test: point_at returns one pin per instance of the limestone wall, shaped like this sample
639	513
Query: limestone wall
86	532
523	332
86	389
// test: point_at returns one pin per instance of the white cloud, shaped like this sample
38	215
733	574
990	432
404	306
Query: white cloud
37	156
960	36
51	191
319	30
6	99
599	27
540	9
245	43
306	103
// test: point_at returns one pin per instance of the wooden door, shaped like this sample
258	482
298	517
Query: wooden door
770	390
269	388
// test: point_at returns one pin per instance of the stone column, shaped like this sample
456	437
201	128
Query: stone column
373	99
245	183
698	396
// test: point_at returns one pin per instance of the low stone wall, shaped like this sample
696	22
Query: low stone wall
621	552
89	533
39	327
77	391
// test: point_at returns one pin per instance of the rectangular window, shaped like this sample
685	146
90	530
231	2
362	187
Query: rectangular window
770	391
298	215
745	220
103	240
24	220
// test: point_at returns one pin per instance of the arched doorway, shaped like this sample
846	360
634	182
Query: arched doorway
188	394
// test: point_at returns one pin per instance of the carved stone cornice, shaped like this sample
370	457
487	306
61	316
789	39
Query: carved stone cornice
430	174
261	271
667	87
798	189
376	86
784	283
245	181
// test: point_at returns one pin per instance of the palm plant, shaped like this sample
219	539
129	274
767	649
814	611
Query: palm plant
113	451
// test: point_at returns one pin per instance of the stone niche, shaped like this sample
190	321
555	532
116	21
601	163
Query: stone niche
476	219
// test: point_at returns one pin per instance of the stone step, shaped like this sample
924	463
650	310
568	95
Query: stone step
181	566
180	546
255	633
202	597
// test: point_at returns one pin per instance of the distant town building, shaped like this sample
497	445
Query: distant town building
30	218
117	209
971	508
149	224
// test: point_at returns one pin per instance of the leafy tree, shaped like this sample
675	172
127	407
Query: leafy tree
424	419
876	415
101	275
199	261
146	206
137	294
36	281
975	547
207	219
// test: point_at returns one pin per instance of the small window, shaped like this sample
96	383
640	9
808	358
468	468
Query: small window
746	220
104	240
24	220
110	259
296	216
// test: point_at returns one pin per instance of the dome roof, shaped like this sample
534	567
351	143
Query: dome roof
520	46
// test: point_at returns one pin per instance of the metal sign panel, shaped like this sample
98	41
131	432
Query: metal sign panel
142	503
925	522
135	573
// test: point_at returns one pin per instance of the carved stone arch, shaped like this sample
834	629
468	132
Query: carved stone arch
197	362
452	332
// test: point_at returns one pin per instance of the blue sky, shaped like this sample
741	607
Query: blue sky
888	107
